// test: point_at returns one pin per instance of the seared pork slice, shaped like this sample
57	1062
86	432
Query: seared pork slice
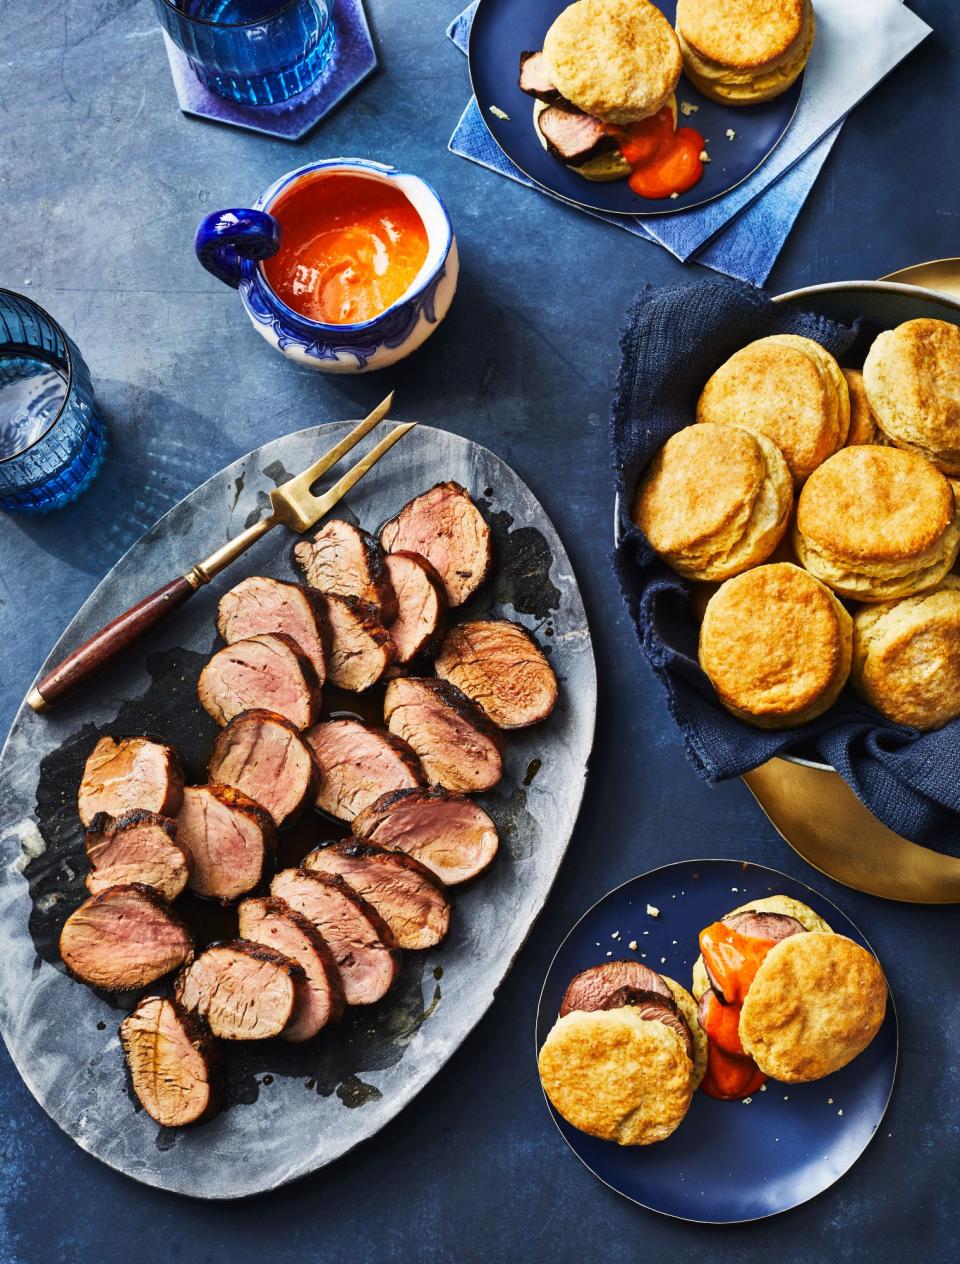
266	672
245	991
449	834
360	646
344	560
404	892
274	923
590	989
359	763
444	526
775	926
174	1062
500	667
656	1008
458	747
258	604
124	938
535	78
136	847
132	772
421	606
357	935
572	137
231	839
263	755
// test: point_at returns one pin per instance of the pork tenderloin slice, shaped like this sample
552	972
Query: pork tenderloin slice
174	1062
347	561
449	834
259	604
655	1008
357	764
263	755
591	988
245	991
775	926
404	892
535	78
230	838
572	137
360	648
265	672
444	526
457	745
500	667
421	615
272	921
123	938
357	935
136	847
127	773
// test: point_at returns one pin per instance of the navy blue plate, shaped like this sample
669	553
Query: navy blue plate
503	29
728	1161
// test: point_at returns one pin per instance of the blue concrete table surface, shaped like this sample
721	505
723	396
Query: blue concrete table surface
102	182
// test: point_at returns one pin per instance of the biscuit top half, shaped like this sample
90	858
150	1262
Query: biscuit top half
742	34
875	504
912	376
616	59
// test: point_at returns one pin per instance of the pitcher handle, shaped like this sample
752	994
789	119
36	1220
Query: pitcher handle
226	237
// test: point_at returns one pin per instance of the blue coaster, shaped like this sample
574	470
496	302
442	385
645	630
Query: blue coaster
354	58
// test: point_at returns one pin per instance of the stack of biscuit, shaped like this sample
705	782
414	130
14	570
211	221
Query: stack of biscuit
875	461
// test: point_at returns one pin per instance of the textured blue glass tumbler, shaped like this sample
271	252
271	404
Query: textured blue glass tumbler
258	52
52	442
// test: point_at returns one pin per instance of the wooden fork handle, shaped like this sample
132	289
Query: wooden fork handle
105	646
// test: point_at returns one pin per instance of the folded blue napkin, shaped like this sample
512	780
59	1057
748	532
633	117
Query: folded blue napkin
742	233
675	338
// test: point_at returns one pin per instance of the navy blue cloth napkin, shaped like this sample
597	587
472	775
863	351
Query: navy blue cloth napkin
674	339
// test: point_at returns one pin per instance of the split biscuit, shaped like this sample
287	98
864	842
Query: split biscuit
863	424
906	656
617	1076
776	645
616	59
912	379
816	1003
790	389
715	500
739	52
877	523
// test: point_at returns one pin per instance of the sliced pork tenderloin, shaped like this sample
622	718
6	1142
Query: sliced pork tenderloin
421	617
123	938
344	560
174	1062
500	667
245	991
261	605
263	755
457	745
357	764
136	847
449	834
127	773
360	646
572	137
444	526
592	988
535	78
265	672
230	838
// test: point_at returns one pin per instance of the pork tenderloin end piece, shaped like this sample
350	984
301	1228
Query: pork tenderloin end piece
449	834
230	838
358	763
421	618
457	745
263	755
345	560
260	604
124	938
136	847
500	667
535	78
245	991
127	773
174	1062
445	526
266	672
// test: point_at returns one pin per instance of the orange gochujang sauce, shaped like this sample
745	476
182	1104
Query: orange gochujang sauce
733	960
350	247
662	158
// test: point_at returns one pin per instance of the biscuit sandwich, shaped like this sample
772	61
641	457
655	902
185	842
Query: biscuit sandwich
780	994
875	523
906	656
776	645
715	501
739	52
625	1055
790	389
605	65
912	379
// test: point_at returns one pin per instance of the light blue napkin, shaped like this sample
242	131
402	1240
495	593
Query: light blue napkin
741	234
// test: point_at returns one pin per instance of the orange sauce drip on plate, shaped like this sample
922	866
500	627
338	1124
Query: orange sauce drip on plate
662	159
350	247
733	960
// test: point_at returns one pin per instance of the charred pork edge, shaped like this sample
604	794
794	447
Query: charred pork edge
277	906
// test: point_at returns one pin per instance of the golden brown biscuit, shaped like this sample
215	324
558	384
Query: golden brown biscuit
816	1002
906	656
877	523
688	1008
805	915
863	424
776	645
715	501
617	1076
789	389
616	59
912	379
739	52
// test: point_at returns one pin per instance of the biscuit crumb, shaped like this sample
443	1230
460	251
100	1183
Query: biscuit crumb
731	134
609	954
829	1101
673	196
704	156
652	912
663	961
632	945
498	113
735	890
615	935
839	1112
747	1101
687	108
763	1088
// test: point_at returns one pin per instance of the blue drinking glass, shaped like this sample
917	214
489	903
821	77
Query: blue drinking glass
258	52
52	443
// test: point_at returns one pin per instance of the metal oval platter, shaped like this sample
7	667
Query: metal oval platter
728	1161
290	1108
503	29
